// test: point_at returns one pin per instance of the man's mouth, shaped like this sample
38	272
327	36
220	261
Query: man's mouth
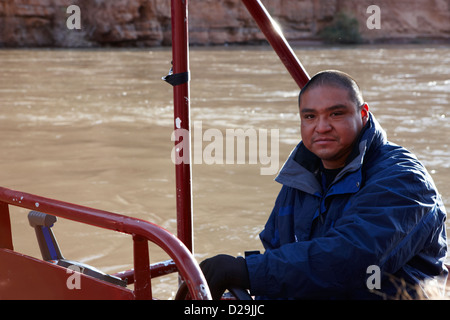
323	140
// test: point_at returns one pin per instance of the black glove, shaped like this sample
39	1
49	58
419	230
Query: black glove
224	271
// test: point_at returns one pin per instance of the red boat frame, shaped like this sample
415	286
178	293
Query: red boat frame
25	277
22	281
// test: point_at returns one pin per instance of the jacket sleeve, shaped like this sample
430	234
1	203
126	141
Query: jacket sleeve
392	218
270	236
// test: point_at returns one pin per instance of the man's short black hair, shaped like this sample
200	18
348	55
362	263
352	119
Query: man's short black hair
338	79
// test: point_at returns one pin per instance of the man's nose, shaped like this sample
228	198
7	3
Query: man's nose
323	125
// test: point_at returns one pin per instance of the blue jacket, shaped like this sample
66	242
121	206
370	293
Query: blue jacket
381	210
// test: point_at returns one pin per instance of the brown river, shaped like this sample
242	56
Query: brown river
93	127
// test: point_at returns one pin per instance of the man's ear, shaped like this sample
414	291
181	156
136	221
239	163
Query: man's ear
365	113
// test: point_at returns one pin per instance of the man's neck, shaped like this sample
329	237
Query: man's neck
328	175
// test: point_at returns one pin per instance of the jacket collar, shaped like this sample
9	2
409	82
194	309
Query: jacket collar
302	166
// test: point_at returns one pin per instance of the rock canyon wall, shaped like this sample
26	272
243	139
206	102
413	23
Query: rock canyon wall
211	22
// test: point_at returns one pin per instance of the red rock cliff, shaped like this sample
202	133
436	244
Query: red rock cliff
147	22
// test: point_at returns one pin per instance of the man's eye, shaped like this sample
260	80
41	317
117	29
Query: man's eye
336	114
308	116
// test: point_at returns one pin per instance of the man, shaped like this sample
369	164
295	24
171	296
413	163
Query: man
355	211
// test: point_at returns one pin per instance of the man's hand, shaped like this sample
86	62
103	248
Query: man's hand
224	271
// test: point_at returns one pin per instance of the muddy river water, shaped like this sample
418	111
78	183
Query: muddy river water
93	127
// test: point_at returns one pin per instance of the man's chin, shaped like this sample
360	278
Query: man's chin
325	154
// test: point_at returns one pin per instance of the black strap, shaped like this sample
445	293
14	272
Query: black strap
177	78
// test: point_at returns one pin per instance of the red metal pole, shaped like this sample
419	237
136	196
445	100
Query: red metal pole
180	54
5	227
142	276
278	42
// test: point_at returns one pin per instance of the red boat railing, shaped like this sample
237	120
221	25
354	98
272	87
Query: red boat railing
140	230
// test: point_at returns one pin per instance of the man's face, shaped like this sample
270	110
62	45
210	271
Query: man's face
330	123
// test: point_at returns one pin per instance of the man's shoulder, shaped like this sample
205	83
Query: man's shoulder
395	165
391	154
